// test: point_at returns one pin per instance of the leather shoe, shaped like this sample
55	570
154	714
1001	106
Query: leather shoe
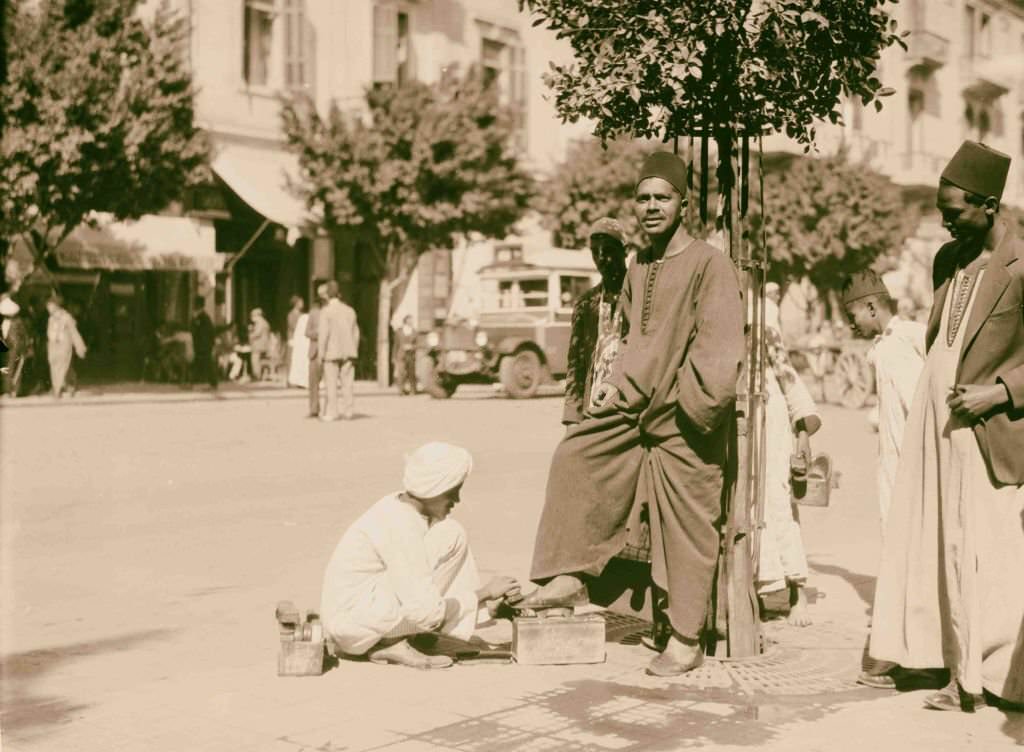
540	599
876	681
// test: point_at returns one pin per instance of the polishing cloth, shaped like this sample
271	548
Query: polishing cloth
978	169
435	468
668	167
610	227
864	285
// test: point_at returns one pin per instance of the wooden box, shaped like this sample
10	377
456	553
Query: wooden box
298	658
553	640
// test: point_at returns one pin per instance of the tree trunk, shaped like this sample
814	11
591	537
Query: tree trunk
384	332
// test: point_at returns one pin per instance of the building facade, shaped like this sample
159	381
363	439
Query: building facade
961	76
246	54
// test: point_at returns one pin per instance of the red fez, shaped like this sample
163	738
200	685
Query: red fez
610	227
978	169
668	167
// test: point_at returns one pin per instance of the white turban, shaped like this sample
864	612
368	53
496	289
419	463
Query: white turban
435	468
8	307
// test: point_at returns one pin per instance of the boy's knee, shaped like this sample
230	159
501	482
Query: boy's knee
446	540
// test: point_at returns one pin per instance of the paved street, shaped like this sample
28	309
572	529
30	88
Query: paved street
146	543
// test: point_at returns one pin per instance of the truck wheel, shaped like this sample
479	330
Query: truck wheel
521	374
856	380
436	385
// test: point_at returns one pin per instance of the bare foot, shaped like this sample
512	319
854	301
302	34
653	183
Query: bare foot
677	658
798	616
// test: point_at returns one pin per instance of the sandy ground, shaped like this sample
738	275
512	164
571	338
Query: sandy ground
146	542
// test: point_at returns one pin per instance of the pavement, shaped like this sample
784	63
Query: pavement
146	539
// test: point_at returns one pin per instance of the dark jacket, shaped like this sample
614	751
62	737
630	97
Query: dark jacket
993	349
203	334
586	314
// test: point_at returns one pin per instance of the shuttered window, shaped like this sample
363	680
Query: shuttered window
385	44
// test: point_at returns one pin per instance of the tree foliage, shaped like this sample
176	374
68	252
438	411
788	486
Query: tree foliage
98	108
826	218
596	181
658	70
427	164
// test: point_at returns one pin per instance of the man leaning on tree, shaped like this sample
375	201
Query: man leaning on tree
659	430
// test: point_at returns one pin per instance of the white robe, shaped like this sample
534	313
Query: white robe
298	369
898	356
394	575
949	591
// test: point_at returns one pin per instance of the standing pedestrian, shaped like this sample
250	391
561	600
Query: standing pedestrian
405	357
897	355
259	342
313	335
791	418
298	366
203	339
660	429
62	343
949	591
296	308
18	341
597	328
337	349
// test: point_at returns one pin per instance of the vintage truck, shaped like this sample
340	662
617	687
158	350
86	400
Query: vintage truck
520	337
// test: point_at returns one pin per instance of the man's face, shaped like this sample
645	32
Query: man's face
51	307
964	221
321	292
658	207
439	507
863	317
609	257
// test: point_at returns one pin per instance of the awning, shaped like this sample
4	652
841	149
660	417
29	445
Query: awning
151	242
260	177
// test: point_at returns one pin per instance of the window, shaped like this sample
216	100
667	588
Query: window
969	31
985	35
258	42
299	46
392	46
572	288
503	64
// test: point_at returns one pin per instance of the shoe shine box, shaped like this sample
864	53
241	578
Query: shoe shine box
558	640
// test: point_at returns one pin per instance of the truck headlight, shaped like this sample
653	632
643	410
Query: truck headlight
481	339
433	340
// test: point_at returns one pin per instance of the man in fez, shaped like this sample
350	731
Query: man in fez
949	591
659	427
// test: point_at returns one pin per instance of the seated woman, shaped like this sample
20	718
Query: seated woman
405	568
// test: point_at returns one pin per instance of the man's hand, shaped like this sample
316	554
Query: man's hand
969	402
803	445
606	395
500	587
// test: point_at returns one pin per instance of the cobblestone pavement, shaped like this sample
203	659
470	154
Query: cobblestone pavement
145	542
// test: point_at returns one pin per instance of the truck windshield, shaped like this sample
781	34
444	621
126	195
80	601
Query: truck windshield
572	288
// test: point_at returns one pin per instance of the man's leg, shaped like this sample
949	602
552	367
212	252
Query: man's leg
332	369
58	370
348	381
455	575
314	387
410	372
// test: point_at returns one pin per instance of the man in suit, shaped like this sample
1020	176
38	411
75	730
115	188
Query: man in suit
204	368
337	348
312	333
948	591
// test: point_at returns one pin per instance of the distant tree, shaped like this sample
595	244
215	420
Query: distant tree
425	166
98	105
825	218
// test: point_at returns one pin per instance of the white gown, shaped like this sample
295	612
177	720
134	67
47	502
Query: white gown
298	369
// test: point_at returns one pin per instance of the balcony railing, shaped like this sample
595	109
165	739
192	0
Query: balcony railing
985	81
926	49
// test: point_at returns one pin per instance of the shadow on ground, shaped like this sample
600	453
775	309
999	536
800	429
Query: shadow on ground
864	584
20	709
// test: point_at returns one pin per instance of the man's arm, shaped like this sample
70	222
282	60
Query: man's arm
707	379
573	410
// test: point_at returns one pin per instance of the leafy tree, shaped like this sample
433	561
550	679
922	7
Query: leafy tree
826	218
426	165
98	108
659	70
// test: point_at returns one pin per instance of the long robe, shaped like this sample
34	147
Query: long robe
393	574
298	366
949	591
663	441
898	356
782	558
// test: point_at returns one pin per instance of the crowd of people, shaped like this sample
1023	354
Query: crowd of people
655	356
